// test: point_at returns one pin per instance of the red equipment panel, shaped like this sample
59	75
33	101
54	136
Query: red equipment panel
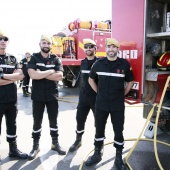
128	28
98	36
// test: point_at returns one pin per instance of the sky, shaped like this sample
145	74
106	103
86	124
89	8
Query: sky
26	20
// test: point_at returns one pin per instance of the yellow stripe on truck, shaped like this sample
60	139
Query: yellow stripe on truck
98	54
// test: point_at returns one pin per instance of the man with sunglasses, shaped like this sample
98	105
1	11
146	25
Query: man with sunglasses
111	72
9	74
45	70
87	95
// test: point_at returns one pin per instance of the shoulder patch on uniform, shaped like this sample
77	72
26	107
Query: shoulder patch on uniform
10	59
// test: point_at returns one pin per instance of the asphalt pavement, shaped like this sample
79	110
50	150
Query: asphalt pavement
143	157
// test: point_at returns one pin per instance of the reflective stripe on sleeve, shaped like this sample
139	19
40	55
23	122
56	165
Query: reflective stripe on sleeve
43	65
6	66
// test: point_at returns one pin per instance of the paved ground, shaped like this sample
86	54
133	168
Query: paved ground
142	158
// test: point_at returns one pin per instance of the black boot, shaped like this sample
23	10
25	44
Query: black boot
76	144
24	92
15	152
96	157
56	147
34	150
27	91
118	160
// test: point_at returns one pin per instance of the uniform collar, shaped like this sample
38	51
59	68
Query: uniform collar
117	61
86	60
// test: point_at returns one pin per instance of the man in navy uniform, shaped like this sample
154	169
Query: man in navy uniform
87	95
9	74
111	72
45	70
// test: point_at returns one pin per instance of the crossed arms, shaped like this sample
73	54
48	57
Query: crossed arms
48	74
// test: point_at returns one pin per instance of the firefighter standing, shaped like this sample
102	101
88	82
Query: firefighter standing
45	71
112	72
87	95
26	79
9	74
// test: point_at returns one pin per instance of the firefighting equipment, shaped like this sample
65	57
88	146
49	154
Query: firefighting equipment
55	146
96	157
112	41
57	45
69	50
150	91
34	150
148	61
88	41
85	24
101	25
47	38
15	152
155	49
76	144
155	129
163	62
71	26
77	24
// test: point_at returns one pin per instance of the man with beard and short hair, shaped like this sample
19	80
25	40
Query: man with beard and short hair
45	71
87	95
9	74
111	72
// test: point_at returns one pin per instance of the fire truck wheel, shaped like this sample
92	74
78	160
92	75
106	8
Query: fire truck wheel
67	83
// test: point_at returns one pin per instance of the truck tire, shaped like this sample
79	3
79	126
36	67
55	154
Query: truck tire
69	73
67	83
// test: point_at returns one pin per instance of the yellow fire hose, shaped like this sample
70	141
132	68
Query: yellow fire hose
139	138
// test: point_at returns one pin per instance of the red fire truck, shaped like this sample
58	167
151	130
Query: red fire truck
143	29
69	46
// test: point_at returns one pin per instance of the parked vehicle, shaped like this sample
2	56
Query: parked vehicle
69	46
143	28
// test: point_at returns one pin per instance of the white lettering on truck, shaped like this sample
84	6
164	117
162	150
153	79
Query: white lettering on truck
128	54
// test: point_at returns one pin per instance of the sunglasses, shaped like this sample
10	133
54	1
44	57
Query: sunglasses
88	46
3	38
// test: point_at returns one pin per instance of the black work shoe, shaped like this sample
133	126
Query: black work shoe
57	148
25	95
33	153
75	146
119	163
28	93
96	157
93	160
17	154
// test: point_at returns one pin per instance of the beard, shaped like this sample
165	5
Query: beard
89	53
112	54
45	49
